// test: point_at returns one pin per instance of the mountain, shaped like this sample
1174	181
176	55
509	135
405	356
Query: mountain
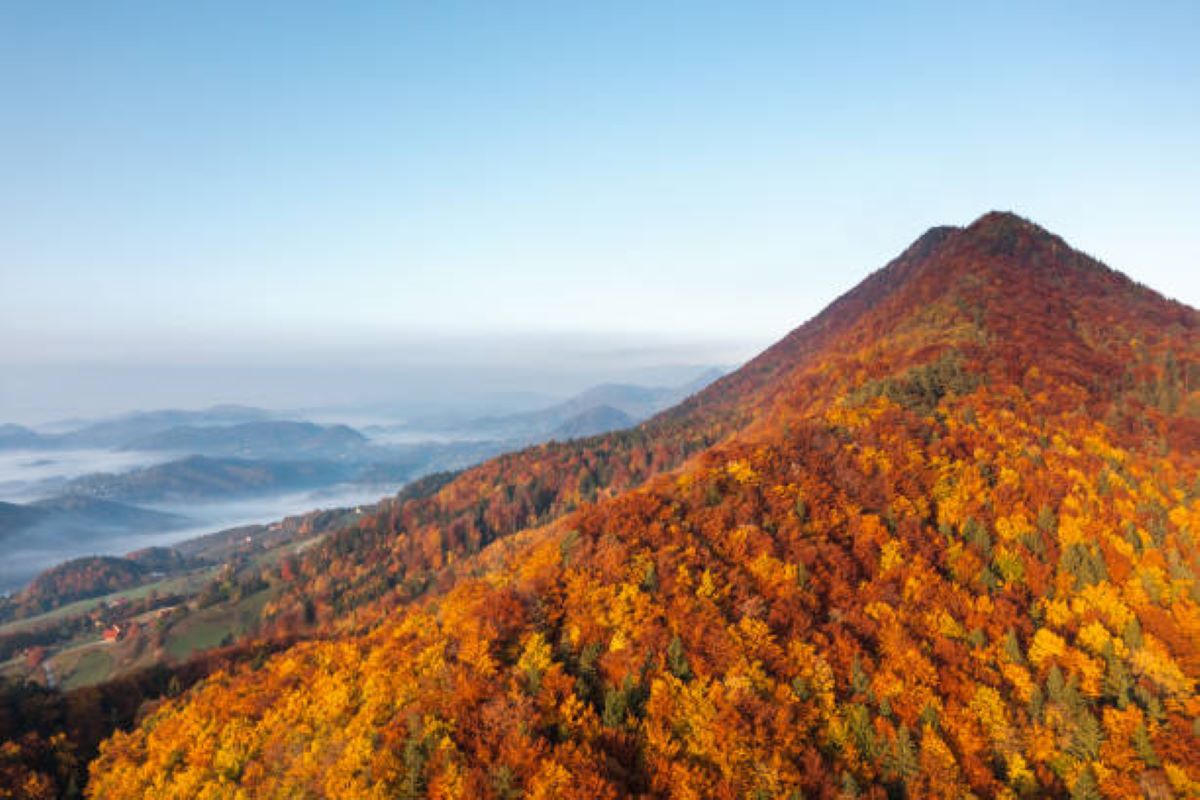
120	430
636	401
81	511
18	437
74	516
15	518
36	534
201	477
93	576
73	580
633	401
538	485
939	541
261	440
593	421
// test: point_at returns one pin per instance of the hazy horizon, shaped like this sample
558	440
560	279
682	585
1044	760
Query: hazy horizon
232	185
461	375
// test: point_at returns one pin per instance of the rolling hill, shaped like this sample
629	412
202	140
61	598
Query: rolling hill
634	402
18	437
120	430
70	524
76	516
201	477
259	440
939	541
593	422
15	517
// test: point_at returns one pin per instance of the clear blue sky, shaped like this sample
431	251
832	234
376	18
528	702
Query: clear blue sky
229	177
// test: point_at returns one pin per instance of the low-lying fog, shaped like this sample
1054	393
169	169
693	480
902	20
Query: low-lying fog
27	475
396	392
30	475
38	549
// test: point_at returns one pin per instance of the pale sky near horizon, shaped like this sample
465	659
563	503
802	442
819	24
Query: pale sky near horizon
225	181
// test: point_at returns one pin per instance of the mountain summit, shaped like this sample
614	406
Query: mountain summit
939	541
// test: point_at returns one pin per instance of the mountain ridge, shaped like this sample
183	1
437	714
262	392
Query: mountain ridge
937	541
764	391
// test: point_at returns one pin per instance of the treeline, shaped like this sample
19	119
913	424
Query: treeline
78	579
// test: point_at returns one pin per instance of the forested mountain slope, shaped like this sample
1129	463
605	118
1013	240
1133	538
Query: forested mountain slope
940	542
402	550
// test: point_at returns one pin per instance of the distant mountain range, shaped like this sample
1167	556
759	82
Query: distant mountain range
267	439
254	433
77	516
633	404
19	437
236	453
120	431
206	478
15	518
600	409
593	421
202	478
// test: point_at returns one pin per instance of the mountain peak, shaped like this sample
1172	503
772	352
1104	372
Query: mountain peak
1002	220
990	227
1003	233
928	241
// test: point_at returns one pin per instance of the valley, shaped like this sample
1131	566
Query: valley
183	589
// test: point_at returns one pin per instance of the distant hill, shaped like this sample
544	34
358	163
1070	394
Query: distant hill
202	477
15	518
634	400
334	455
119	431
270	439
80	578
593	421
70	524
77	510
93	576
700	382
160	559
636	403
76	516
18	437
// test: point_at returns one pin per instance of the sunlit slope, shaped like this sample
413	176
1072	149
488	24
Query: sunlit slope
950	552
405	548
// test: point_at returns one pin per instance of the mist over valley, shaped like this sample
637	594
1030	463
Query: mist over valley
112	485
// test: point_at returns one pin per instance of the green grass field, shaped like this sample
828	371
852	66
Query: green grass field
183	584
93	665
209	627
83	661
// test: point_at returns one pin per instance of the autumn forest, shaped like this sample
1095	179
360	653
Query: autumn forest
942	540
